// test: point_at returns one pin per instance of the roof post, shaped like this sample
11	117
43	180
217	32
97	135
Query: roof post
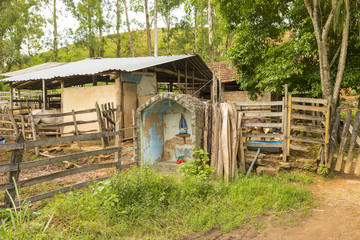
11	96
186	77
44	95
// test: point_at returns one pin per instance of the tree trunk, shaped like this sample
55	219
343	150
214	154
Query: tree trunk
168	33
195	29
155	30
129	31
118	19
148	28
90	32
210	24
100	26
343	53
55	42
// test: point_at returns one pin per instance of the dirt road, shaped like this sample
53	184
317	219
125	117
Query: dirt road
337	217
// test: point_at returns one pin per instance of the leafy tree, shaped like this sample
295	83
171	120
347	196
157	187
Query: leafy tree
282	41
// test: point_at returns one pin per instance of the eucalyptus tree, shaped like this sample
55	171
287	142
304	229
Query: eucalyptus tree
128	29
165	8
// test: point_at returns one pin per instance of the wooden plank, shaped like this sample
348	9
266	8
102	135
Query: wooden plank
9	167
117	142
308	117
354	134
309	100
308	129
241	145
53	115
357	166
11	116
308	140
101	125
262	114
289	126
13	176
260	104
125	158
76	127
249	144
264	125
327	132
333	137
66	124
233	138
343	141
263	135
309	108
357	138
129	103
33	129
68	157
299	148
224	139
284	122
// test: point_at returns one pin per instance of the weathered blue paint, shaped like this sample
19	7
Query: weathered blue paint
132	78
152	131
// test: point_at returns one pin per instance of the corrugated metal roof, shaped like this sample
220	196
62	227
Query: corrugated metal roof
33	69
93	66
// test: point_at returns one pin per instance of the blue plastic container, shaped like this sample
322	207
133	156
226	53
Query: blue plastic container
265	149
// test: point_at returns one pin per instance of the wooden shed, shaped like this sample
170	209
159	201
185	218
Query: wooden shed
127	82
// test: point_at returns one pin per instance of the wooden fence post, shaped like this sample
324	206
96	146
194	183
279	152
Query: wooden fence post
101	125
343	141
76	127
135	142
288	128
285	122
333	137
327	133
117	143
16	157
354	134
33	130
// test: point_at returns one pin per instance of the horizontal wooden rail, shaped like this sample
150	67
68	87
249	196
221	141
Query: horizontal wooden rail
307	117
66	124
263	135
265	125
258	104
263	144
308	140
357	138
53	115
263	114
309	100
309	108
52	141
308	129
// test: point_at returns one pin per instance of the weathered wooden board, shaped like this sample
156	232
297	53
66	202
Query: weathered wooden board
309	100
307	117
308	140
129	103
255	104
343	141
309	108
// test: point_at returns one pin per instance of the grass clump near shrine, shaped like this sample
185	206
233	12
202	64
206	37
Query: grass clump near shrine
143	204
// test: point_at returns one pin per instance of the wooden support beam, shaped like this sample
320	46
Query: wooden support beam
193	85
178	75
186	77
11	96
19	97
44	94
164	70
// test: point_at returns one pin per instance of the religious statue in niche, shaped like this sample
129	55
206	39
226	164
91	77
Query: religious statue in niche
183	130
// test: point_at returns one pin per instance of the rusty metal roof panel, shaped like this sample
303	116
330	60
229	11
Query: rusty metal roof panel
93	66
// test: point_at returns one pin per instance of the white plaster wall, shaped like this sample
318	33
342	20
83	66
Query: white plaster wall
171	128
81	98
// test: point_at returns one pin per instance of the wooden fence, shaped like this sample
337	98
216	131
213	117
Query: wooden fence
348	143
16	164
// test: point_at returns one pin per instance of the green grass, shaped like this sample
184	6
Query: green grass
142	204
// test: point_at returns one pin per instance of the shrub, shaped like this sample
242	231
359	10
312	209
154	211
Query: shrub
198	167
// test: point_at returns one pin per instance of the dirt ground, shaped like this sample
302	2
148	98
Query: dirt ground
336	217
